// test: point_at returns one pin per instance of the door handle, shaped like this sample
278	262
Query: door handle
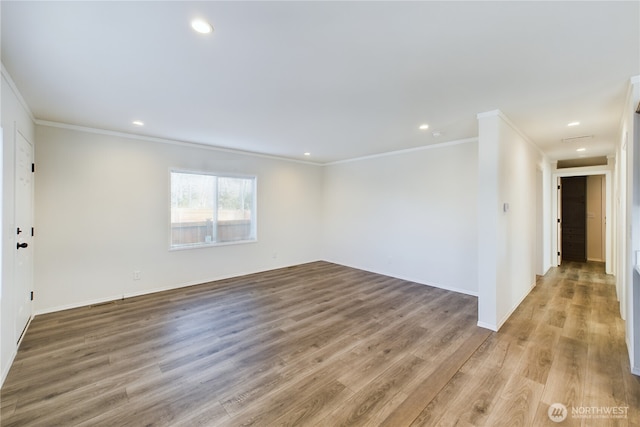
21	245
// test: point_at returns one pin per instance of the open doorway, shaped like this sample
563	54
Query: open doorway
582	214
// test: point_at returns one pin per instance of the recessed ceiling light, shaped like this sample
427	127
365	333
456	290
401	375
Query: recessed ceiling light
424	126
436	134
201	26
307	154
581	149
573	124
138	122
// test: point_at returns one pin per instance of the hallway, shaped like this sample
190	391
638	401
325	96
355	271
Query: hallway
564	344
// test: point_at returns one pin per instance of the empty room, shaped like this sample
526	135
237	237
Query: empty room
320	213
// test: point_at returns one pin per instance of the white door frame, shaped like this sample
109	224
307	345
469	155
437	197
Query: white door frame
585	171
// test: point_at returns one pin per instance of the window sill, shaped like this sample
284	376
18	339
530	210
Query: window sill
210	245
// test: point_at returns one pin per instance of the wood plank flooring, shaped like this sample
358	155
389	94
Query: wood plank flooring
325	345
564	344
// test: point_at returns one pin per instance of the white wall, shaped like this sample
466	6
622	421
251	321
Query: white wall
621	217
102	211
409	214
544	255
15	118
633	323
628	239
507	218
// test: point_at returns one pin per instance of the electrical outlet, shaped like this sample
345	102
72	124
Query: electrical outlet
136	275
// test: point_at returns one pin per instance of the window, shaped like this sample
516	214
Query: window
209	209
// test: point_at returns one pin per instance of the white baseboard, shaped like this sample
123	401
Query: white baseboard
506	317
489	326
8	363
546	270
496	327
409	279
115	297
7	366
78	304
109	298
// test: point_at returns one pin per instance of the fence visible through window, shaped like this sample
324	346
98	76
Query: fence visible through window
209	209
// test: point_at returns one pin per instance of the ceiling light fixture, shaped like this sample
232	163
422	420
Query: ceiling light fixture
138	122
436	133
574	138
581	149
201	26
573	124
307	154
424	126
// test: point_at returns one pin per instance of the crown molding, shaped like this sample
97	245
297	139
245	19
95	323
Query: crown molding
166	141
405	151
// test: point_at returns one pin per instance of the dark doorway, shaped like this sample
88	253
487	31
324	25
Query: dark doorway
574	214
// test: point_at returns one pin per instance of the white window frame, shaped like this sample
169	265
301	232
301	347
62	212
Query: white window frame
214	242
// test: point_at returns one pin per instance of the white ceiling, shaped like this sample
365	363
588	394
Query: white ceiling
339	80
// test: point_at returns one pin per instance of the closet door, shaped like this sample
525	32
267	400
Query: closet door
574	214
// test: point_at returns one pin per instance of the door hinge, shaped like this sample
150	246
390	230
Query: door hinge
558	187
558	253
558	220
33	233
31	295
33	167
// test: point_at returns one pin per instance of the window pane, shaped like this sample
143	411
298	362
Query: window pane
208	209
235	209
192	208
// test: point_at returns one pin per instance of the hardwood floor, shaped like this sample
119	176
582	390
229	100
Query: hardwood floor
325	345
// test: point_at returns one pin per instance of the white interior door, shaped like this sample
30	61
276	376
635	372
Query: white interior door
23	232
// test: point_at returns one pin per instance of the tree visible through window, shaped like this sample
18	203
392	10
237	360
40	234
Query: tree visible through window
209	209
